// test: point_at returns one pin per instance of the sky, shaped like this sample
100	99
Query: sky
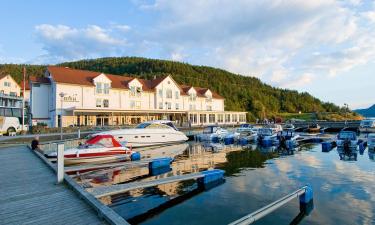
324	47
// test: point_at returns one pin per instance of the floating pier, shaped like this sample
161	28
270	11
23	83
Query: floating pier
305	195
206	178
30	195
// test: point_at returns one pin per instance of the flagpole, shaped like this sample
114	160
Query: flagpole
23	98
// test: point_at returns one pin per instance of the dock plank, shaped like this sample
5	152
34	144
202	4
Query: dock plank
30	196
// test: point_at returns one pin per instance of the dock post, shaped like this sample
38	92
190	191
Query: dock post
79	133
159	166
60	163
306	200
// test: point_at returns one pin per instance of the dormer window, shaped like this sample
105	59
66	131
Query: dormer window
192	96
169	93
102	88
135	91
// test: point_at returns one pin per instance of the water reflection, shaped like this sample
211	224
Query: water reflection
254	177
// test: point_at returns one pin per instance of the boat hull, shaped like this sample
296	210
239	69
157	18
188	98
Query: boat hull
95	159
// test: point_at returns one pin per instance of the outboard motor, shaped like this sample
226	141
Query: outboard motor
346	146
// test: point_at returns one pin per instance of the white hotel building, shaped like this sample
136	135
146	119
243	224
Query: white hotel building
84	98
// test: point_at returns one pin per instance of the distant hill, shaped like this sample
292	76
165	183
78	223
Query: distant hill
369	112
241	92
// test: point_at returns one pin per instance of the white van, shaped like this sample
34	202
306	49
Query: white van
9	125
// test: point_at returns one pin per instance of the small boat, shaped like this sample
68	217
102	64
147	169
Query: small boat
314	128
287	139
211	133
371	142
267	136
150	133
347	143
289	126
245	128
367	126
99	148
275	127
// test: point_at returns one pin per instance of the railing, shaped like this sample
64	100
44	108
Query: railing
305	195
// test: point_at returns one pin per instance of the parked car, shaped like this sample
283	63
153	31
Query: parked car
10	125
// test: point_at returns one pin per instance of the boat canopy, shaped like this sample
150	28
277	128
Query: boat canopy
265	131
210	129
246	125
104	140
347	135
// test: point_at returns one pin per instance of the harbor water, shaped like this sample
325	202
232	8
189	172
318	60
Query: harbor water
254	177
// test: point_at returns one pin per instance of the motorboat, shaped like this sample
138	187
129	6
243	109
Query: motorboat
289	126
367	126
212	133
371	142
267	136
314	128
99	148
245	128
347	143
287	139
275	127
150	133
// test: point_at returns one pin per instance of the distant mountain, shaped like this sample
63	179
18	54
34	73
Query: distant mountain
241	92
369	112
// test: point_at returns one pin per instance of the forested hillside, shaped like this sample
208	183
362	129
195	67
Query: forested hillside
241	92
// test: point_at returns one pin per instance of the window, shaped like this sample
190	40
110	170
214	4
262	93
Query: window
209	108
98	102
169	105
177	106
12	93
169	93
220	118
106	88
211	118
227	118
203	118
99	88
132	104
192	96
160	93
160	105
234	118
105	103
177	94
193	118
132	91
7	84
137	105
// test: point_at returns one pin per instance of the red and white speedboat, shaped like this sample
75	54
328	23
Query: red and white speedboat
100	148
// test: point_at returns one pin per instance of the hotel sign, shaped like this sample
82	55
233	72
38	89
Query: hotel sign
70	98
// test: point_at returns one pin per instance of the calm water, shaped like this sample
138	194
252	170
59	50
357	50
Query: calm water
343	190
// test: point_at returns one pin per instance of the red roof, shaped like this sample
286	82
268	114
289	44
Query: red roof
43	80
84	77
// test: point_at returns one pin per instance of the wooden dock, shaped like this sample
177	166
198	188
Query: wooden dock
121	188
29	194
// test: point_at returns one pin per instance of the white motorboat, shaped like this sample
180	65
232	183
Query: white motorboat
367	126
371	142
275	127
267	136
211	133
347	143
98	149
150	133
287	139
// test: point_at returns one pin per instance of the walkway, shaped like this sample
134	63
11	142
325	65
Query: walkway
29	194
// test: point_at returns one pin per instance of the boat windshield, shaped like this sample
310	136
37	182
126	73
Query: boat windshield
209	130
245	126
153	126
347	135
103	142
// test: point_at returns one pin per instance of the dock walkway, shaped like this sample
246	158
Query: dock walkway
29	194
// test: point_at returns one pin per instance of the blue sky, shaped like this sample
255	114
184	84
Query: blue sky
324	47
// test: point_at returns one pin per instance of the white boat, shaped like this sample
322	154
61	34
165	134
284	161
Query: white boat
98	149
150	133
213	132
267	136
287	139
347	143
275	127
371	142
367	126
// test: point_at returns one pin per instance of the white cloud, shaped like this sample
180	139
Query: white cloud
65	43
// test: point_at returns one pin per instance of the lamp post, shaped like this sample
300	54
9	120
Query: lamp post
62	94
346	110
